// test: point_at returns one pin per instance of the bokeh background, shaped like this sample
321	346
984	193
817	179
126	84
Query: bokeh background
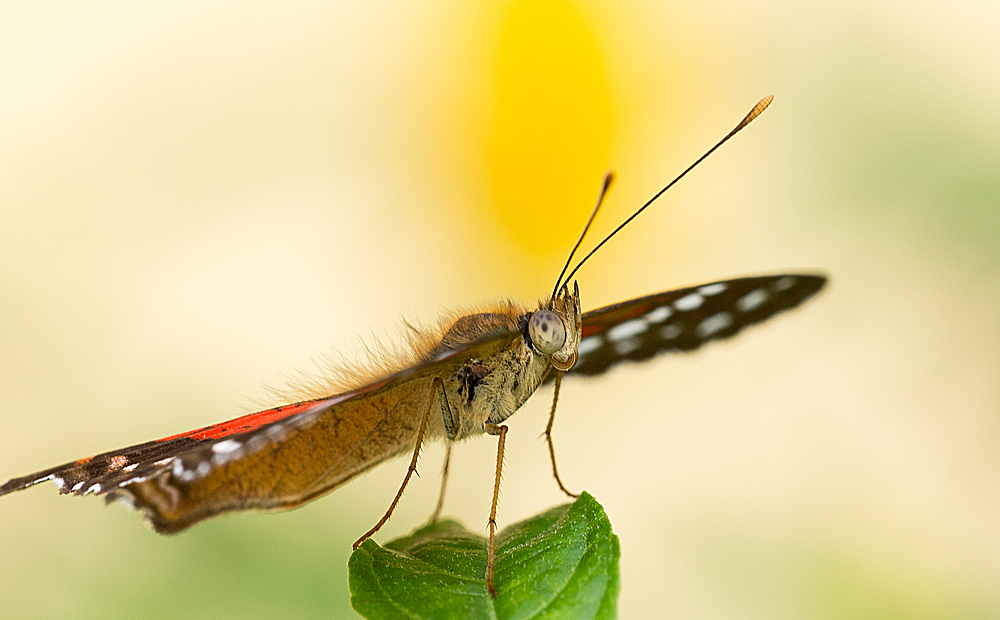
198	199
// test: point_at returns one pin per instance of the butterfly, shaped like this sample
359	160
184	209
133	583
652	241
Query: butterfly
461	379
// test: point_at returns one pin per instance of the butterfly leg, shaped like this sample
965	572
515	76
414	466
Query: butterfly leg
501	430
436	384
548	436
444	482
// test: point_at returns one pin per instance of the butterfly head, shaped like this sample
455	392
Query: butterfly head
554	329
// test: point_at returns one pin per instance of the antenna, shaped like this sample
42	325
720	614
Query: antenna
609	179
754	113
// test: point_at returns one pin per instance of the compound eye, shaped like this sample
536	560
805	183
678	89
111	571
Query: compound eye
547	332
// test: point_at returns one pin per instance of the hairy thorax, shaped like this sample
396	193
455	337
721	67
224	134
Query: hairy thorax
492	388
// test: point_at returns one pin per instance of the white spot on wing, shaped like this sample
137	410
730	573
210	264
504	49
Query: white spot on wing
658	315
125	499
712	289
751	300
714	324
225	447
77	486
626	330
59	482
93	489
624	347
669	332
275	432
203	468
255	443
785	283
689	302
130	467
589	345
164	461
49	477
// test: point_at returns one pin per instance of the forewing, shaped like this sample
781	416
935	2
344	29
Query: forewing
101	473
188	458
684	319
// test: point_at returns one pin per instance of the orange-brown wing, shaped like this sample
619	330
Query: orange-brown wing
278	458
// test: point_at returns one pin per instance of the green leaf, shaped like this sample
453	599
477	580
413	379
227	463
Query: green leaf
562	563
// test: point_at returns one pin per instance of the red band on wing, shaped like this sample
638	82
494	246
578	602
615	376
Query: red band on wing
245	423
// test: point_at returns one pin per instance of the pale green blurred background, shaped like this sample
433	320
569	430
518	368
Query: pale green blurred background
198	198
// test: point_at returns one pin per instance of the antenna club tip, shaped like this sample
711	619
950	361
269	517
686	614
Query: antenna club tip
760	107
755	112
609	180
